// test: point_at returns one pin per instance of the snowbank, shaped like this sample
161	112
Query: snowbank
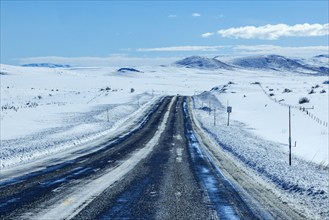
305	183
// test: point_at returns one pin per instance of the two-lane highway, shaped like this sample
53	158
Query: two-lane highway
158	171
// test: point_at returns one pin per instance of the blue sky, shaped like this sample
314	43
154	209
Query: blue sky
32	29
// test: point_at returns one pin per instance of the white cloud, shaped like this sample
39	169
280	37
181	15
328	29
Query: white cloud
181	48
206	35
172	16
306	51
196	15
273	32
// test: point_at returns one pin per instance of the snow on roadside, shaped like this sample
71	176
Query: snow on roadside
304	184
46	111
79	128
267	116
80	199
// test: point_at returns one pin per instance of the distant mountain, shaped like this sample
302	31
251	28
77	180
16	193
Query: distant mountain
267	62
202	63
321	61
322	56
47	65
278	63
125	70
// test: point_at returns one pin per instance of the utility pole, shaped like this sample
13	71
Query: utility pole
214	117
289	137
209	108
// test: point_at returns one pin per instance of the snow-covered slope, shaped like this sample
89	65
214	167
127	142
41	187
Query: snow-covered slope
278	63
320	60
322	56
202	63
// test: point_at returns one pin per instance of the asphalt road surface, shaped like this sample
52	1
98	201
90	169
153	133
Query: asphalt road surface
156	171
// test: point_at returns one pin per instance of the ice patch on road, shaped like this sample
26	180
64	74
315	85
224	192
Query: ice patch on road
178	137
179	153
220	191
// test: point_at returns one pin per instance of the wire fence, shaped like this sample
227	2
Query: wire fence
302	109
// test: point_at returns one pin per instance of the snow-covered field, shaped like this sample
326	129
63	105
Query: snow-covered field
44	109
263	108
47	111
303	185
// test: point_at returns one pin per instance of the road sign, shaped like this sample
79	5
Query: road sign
229	110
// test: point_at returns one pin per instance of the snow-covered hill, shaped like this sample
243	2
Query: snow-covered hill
48	65
321	60
125	70
322	56
202	63
279	63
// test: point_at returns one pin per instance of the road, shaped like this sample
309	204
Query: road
157	171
